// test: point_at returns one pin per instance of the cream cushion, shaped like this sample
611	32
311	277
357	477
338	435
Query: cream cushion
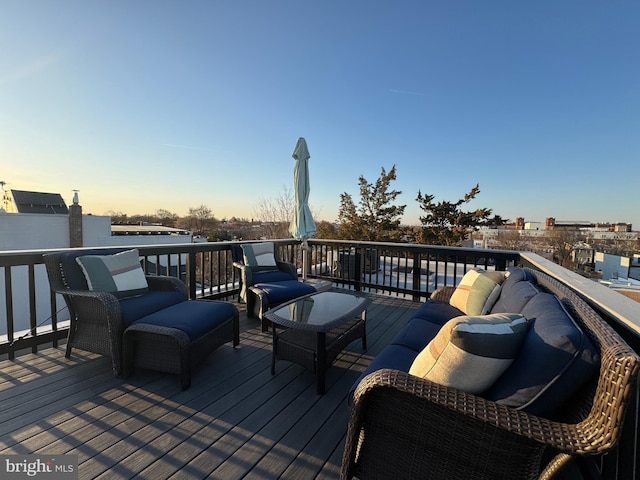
470	352
477	291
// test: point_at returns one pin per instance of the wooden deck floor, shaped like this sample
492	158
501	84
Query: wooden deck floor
236	420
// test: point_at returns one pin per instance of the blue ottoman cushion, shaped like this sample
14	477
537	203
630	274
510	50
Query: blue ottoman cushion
194	317
133	308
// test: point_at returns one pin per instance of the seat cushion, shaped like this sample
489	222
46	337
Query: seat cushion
279	292
416	334
555	360
477	291
396	357
194	317
272	277
134	308
470	352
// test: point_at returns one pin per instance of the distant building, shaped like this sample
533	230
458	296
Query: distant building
38	221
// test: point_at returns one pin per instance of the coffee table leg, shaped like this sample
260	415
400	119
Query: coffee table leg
273	350
321	362
364	329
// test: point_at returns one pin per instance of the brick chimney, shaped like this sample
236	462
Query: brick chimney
75	223
519	223
549	223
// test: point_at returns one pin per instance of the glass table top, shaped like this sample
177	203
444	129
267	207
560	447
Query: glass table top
318	311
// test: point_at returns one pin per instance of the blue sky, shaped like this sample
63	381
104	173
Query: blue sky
146	105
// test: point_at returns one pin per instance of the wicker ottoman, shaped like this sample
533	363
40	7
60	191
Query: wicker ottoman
177	338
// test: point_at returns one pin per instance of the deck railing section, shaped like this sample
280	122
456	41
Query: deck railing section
31	317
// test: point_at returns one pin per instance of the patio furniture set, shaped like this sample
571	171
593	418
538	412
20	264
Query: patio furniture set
507	375
147	321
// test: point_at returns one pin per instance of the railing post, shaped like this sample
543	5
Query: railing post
191	274
417	272
357	269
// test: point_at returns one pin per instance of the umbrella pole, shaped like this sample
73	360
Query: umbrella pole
305	247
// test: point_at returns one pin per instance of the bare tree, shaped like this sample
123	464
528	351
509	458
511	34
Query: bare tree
200	220
510	240
275	213
166	218
562	241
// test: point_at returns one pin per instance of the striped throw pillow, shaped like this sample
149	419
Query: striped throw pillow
119	274
259	257
471	352
477	291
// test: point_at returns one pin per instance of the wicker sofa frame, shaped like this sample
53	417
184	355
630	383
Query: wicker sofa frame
405	426
97	326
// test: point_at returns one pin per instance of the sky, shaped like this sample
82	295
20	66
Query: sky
143	105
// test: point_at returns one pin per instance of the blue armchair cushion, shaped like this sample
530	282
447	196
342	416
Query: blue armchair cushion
259	257
271	277
279	292
120	274
194	317
134	308
555	360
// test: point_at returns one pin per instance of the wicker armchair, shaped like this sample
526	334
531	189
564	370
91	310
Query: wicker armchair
96	317
404	426
264	290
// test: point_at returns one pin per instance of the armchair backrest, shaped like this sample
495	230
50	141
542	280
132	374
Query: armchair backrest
65	273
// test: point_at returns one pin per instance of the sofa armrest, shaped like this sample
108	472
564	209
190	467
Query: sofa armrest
442	294
399	420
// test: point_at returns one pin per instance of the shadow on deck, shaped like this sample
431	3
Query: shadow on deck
236	420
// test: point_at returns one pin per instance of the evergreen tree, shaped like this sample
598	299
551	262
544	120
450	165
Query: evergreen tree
376	218
445	223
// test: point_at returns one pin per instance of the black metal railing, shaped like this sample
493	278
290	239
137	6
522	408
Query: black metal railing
31	317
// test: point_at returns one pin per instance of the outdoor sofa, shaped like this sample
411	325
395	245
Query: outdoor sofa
564	391
138	320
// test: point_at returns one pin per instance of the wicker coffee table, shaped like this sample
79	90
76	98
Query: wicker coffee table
317	327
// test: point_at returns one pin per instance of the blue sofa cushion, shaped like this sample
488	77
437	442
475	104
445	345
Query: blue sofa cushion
134	308
555	360
279	292
194	317
437	312
416	334
517	290
396	357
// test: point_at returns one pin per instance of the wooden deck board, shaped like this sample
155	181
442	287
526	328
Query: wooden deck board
236	420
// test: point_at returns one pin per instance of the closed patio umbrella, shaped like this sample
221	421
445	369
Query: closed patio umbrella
302	225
